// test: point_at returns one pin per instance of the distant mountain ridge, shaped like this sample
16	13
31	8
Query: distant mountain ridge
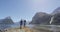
5	23
7	20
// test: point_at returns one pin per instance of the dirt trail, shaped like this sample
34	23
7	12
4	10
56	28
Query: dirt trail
27	29
24	29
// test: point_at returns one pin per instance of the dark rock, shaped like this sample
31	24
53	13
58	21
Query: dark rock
56	20
41	18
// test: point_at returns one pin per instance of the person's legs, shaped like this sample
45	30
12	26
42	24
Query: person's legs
24	23
21	22
21	26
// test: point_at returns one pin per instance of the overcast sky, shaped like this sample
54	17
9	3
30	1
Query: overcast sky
26	9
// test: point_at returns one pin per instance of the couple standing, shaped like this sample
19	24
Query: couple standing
22	23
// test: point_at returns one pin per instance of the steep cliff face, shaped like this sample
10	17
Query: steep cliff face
41	18
56	15
56	19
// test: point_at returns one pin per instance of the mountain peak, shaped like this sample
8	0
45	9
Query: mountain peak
57	10
8	17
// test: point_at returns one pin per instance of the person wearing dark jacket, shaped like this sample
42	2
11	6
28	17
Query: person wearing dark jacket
24	23
21	23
